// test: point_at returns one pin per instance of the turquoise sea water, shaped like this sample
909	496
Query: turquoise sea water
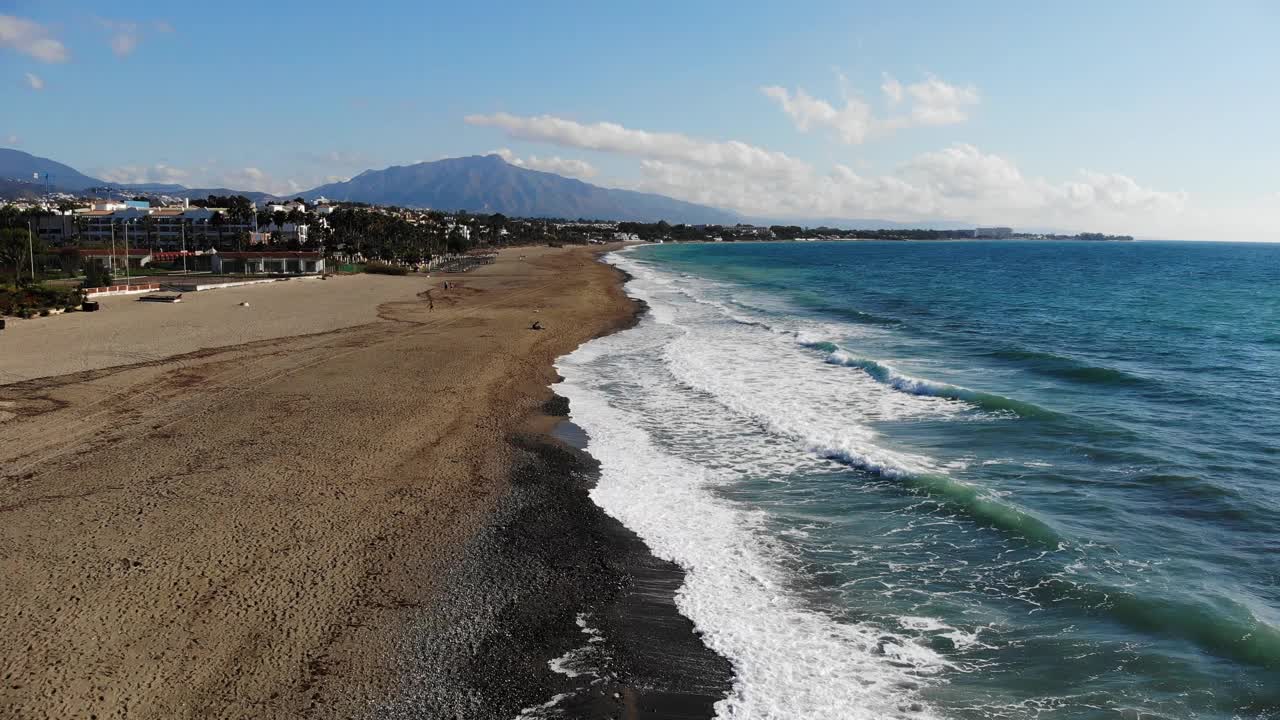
961	480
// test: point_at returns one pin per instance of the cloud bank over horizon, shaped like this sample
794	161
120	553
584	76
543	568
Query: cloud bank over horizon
959	182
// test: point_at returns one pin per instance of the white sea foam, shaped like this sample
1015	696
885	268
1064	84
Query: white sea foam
579	661
961	639
790	661
923	623
636	392
545	710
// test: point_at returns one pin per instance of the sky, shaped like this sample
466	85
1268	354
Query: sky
1157	119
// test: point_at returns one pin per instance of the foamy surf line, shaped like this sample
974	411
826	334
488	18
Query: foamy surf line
790	660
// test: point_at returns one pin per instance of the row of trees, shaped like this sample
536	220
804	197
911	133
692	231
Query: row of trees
665	231
388	234
390	237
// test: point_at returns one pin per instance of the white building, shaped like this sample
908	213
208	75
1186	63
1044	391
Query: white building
157	227
285	207
269	262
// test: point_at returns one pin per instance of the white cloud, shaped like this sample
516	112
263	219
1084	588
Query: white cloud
554	164
335	159
892	89
611	137
125	35
35	82
935	102
158	173
932	102
246	178
959	182
250	178
1121	193
31	39
123	43
213	174
965	174
852	123
15	140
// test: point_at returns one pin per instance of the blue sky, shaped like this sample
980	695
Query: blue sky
1153	118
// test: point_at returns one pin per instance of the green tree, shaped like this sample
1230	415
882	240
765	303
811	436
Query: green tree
218	222
456	242
148	230
15	247
96	274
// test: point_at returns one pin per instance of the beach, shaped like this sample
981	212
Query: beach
341	500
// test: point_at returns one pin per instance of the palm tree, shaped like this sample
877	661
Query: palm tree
218	223
148	230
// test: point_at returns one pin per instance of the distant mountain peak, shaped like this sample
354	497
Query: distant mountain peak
488	183
19	165
476	183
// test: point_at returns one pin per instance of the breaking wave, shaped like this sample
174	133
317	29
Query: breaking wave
888	375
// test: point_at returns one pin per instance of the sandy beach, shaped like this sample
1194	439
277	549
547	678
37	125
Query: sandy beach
126	331
220	511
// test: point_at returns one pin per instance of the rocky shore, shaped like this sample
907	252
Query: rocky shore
553	581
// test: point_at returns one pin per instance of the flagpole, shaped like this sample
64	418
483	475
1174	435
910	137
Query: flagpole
126	253
31	250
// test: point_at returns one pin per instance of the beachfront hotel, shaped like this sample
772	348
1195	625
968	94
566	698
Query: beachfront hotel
164	227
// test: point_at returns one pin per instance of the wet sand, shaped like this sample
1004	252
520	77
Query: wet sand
276	527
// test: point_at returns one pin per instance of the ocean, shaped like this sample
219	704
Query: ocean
956	479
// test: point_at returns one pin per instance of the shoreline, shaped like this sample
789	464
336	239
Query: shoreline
593	608
257	529
567	614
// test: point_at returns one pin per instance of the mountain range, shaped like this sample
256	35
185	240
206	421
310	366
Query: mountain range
478	183
489	184
25	167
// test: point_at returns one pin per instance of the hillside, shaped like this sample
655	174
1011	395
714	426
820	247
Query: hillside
489	184
18	165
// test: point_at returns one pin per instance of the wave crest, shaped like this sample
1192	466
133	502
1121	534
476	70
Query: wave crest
888	375
1067	368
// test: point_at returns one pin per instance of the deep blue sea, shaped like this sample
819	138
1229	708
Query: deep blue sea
957	479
